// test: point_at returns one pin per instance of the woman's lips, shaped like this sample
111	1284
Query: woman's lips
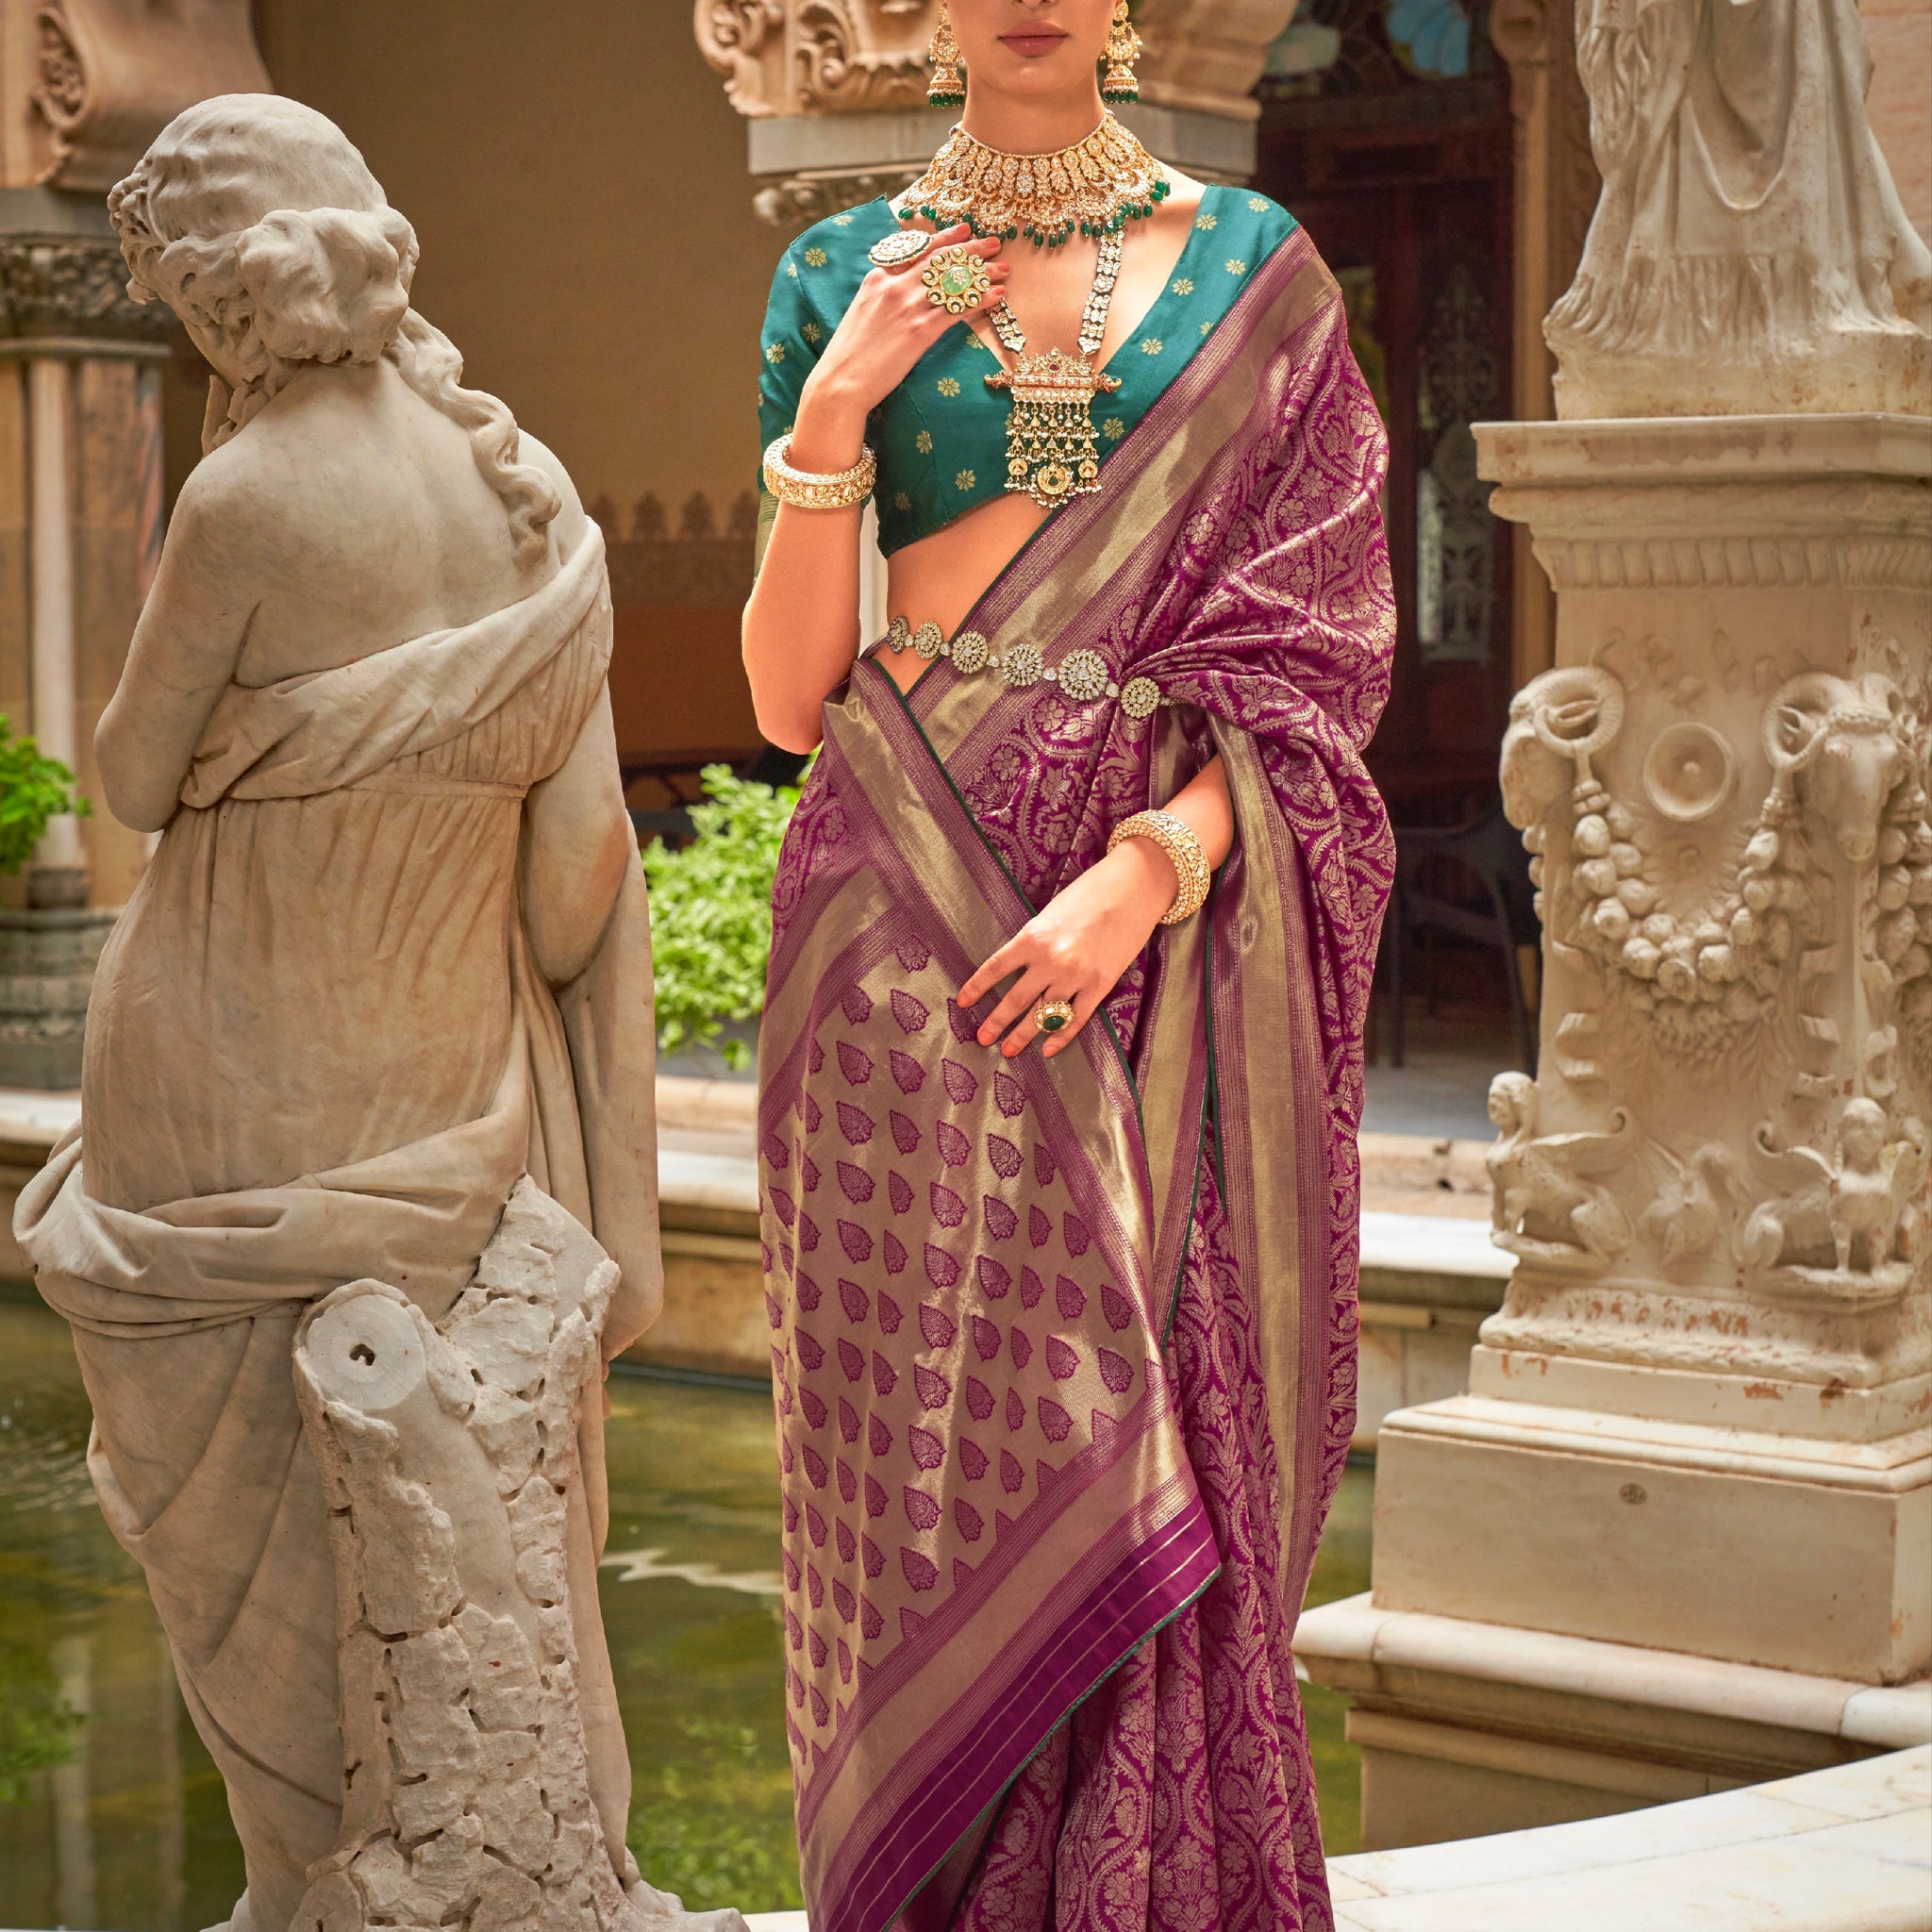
1030	44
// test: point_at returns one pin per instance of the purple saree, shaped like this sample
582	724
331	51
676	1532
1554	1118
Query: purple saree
1064	1351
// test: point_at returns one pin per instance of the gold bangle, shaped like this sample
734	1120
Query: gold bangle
1176	838
807	490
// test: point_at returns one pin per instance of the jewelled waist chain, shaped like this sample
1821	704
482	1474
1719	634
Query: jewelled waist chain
1081	675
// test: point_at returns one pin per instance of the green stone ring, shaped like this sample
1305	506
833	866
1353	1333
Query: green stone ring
955	280
1051	1015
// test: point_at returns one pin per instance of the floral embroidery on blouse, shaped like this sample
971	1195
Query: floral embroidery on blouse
845	221
816	258
791	269
1181	286
901	501
1258	204
947	386
964	480
923	442
1113	429
812	332
775	352
1150	345
1205	223
1235	266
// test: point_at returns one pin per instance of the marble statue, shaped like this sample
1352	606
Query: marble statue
363	1194
1750	252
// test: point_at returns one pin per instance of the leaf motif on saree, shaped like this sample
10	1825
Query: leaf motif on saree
995	1281
900	1190
962	1083
910	1013
906	1070
1002	1224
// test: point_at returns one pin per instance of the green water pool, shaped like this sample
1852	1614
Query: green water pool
111	1815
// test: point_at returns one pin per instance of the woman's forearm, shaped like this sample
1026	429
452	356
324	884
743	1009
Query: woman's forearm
801	627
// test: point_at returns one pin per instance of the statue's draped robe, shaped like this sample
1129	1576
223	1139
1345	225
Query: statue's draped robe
1064	1349
318	1051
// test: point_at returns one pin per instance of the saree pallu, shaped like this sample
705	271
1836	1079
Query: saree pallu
1064	1351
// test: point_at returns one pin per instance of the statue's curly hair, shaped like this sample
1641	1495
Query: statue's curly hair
254	217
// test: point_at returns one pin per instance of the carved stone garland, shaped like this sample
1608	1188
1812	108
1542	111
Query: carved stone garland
1846	813
1705	975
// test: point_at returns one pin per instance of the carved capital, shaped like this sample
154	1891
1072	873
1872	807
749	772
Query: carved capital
817	57
72	288
109	74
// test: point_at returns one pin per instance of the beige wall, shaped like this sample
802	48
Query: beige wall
578	183
1900	102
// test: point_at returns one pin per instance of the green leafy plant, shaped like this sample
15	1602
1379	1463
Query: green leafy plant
32	790
38	1730
711	912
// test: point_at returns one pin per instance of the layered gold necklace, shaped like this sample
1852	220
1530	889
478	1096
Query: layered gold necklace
1094	188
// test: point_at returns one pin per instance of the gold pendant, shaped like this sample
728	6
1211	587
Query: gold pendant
1051	450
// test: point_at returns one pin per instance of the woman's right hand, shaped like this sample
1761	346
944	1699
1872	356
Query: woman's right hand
890	324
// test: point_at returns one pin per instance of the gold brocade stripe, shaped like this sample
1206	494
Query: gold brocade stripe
1274	1129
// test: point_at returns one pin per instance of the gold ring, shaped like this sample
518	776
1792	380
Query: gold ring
900	249
955	280
1051	1015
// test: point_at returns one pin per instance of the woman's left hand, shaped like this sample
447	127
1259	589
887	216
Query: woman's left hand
1076	948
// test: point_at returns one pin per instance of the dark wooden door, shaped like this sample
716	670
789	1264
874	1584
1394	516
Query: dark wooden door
1406	193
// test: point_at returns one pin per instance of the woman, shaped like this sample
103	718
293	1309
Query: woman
1063	1337
390	955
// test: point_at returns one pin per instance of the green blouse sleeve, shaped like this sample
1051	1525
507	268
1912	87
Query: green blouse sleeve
790	343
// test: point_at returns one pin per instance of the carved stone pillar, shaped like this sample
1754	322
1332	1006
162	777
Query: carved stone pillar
84	85
1555	185
1678	1535
834	91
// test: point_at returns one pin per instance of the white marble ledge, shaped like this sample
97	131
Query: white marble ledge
1845	1850
1355	1630
1432	1244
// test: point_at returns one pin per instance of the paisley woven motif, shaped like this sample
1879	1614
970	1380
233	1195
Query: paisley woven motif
1174	1790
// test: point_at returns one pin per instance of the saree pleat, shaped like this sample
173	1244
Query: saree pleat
1093	1724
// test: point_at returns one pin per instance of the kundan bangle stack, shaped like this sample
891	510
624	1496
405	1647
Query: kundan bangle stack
1176	838
807	489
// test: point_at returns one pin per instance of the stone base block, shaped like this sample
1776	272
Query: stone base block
47	962
1470	1728
1791	1553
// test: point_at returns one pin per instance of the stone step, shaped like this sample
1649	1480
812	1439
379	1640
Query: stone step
1845	1850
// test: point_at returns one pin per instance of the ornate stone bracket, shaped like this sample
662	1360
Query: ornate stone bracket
109	74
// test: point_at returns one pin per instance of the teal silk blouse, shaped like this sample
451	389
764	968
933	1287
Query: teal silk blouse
940	437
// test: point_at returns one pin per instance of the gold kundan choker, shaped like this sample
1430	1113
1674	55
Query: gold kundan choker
1094	188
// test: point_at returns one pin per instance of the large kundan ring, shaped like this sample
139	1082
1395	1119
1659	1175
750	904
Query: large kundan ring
955	280
900	249
1051	1015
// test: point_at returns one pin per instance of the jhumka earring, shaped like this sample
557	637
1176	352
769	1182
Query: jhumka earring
947	87
1120	85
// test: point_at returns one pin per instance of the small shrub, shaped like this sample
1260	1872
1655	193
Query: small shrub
32	790
711	912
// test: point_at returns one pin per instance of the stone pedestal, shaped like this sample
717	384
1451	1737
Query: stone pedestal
1698	1425
46	972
